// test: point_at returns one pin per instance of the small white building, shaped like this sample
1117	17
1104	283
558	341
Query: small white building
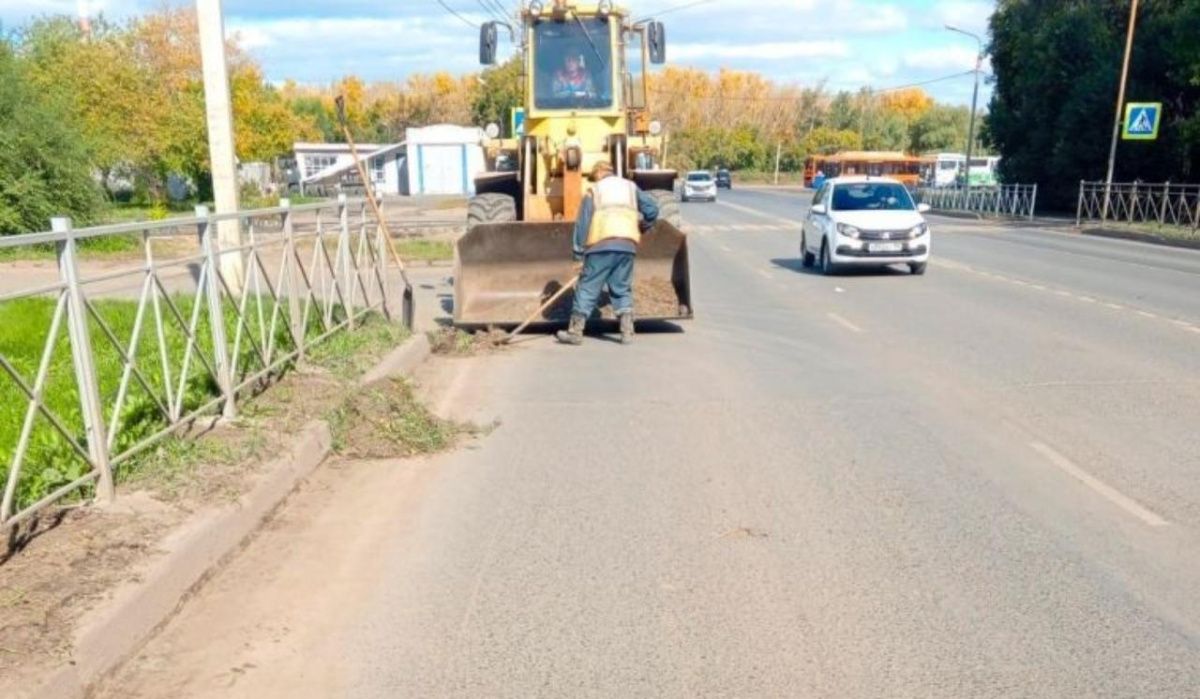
444	159
441	159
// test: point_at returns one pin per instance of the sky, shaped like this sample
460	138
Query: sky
847	44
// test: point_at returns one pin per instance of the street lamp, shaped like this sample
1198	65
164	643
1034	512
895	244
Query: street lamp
974	102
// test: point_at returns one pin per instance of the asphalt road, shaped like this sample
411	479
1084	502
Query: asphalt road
981	482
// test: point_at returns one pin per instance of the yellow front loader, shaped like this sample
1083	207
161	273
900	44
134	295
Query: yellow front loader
585	100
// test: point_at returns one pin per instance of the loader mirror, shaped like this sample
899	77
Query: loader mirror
656	40
489	39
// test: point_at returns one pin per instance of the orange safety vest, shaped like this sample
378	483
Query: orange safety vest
615	211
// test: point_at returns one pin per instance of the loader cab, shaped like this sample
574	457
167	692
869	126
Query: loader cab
572	65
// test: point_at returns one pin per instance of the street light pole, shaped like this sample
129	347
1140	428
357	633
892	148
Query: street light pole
974	104
219	112
1116	133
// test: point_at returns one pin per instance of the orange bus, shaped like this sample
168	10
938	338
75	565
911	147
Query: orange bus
904	168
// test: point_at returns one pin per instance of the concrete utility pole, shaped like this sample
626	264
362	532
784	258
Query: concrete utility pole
219	110
1116	133
974	103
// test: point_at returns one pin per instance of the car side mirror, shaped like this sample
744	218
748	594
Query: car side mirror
923	208
489	39
820	209
656	40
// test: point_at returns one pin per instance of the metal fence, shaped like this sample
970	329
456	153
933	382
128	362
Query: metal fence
151	347
1012	200
1164	204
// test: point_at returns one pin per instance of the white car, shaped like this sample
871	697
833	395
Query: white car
865	221
699	185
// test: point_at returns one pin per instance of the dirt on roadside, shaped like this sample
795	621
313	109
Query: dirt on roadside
452	342
58	567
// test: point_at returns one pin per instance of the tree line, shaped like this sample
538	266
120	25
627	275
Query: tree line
1057	65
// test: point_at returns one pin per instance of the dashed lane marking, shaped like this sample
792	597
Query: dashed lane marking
1179	323
1106	491
845	323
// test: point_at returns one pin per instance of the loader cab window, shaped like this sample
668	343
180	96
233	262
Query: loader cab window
574	67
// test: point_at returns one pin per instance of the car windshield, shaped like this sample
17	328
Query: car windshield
871	196
573	64
699	177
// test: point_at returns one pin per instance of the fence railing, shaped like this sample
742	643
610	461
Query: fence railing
1164	203
99	362
1012	200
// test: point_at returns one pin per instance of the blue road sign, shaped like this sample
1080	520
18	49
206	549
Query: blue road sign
518	122
1141	121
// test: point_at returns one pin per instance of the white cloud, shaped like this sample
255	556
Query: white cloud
766	51
941	58
972	15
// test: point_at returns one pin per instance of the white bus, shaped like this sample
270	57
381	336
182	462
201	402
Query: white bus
947	168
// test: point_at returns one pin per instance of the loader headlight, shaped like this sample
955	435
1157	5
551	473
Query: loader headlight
847	230
492	130
655	127
918	230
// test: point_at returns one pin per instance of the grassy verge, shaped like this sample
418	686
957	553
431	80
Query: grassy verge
50	460
425	250
108	247
348	355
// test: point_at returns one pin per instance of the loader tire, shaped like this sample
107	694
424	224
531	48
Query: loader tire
491	208
668	207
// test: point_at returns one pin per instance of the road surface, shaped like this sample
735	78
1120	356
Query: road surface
981	482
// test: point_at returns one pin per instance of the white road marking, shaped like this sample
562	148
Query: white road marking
764	273
1182	324
845	323
1101	488
726	248
756	212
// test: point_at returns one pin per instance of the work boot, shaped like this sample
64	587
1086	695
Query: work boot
573	335
626	328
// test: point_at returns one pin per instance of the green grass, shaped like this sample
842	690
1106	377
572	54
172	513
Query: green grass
108	247
425	250
24	328
348	355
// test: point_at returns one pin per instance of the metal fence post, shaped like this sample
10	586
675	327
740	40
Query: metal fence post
291	293
1033	203
1196	218
216	312
1162	210
1079	210
343	254
84	360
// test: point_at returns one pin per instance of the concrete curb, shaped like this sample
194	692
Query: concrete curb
109	635
402	360
1135	236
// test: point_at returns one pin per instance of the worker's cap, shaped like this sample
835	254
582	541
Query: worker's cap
600	169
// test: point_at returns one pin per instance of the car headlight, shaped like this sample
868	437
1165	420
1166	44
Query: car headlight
918	230
847	230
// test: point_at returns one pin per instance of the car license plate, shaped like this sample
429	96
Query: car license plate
885	247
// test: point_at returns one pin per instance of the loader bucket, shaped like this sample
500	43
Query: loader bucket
503	272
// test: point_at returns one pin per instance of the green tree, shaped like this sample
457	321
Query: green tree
940	129
500	94
1057	64
44	165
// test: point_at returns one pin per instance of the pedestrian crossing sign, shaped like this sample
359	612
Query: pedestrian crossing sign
1141	121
